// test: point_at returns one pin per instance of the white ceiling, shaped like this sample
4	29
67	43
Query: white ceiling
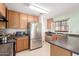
21	7
55	8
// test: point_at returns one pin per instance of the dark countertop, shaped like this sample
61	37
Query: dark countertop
21	35
13	38
49	33
70	44
9	41
70	34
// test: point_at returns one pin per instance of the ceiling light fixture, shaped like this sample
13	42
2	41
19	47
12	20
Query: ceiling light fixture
37	8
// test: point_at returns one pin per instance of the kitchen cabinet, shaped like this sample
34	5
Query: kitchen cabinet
2	9
26	43
22	43
19	44
50	23
20	20
23	21
30	18
13	19
36	19
2	12
57	51
2	25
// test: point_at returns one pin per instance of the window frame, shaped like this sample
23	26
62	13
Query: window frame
60	25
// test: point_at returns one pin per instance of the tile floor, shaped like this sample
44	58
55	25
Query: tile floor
43	51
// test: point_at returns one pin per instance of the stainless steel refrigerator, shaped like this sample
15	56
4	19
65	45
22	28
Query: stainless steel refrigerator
35	35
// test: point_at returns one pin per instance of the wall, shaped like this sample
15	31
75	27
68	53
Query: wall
43	21
73	21
14	30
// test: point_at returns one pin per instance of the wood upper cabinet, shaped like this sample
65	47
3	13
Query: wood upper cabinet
20	20
2	12
22	43
30	18
57	51
23	21
36	19
50	23
2	9
13	19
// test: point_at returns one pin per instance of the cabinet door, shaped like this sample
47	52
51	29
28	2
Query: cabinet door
16	20
48	24
13	19
10	19
57	51
2	25
19	45
23	21
25	43
2	9
36	19
22	43
2	12
30	18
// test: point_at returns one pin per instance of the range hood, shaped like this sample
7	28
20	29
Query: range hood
3	19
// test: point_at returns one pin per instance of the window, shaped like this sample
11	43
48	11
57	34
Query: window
61	26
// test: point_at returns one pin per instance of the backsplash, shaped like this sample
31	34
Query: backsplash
11	31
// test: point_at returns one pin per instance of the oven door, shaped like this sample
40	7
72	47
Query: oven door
6	49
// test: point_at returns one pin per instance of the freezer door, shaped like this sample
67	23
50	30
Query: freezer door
35	44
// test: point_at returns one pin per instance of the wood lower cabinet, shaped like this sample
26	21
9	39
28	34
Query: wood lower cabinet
19	45
26	43
22	43
57	51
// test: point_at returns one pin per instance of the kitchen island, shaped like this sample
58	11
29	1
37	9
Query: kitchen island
64	47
